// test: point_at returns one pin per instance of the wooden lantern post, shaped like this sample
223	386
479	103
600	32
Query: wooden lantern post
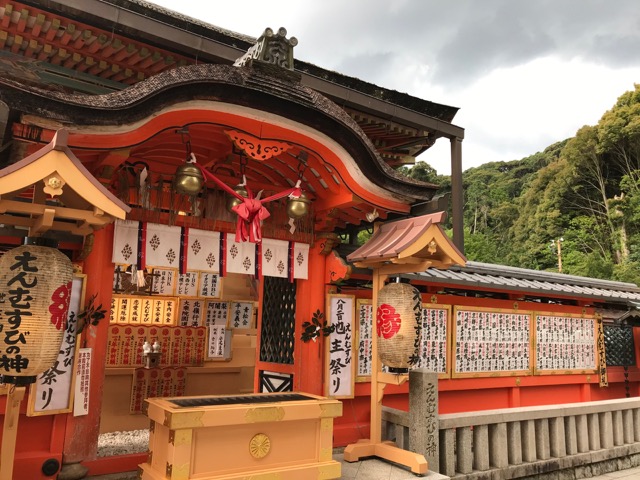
10	430
405	246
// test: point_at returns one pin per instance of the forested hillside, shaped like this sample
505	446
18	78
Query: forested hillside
584	190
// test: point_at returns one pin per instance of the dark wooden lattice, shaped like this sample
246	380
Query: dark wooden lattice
619	346
275	382
278	321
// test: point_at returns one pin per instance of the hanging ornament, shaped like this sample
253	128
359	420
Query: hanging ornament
188	179
250	210
233	201
298	207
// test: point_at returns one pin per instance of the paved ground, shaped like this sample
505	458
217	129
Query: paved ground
374	469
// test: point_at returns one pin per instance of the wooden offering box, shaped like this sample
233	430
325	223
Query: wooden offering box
287	436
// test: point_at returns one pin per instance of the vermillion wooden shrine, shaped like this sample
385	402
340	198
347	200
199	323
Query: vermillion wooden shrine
208	188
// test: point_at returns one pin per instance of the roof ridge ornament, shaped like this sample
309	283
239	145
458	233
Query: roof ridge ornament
272	48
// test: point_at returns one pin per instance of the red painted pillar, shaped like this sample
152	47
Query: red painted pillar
310	296
514	397
81	437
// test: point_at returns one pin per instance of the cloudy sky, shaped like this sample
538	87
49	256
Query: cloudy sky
524	73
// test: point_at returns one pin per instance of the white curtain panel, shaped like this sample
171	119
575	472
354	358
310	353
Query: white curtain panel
241	256
162	246
125	242
275	258
301	260
203	251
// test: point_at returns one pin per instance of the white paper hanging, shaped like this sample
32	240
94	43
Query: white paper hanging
203	251
125	242
241	256
301	260
162	245
275	258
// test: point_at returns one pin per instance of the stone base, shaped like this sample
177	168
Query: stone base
574	467
590	470
72	471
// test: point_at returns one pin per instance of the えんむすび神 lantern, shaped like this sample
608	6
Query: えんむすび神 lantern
398	315
35	288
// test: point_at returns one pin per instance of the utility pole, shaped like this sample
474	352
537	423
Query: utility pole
557	244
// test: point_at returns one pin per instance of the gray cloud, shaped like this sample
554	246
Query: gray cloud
463	40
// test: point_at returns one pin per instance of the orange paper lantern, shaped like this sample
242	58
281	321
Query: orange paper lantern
398	324
35	288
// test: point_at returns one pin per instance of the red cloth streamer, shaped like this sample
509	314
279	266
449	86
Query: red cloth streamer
251	211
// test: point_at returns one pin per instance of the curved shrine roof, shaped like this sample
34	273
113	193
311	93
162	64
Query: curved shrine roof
272	90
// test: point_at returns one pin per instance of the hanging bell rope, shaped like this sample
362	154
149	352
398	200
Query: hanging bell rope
250	211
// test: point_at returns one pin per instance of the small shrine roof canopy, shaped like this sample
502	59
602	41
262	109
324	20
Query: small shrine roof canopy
71	199
418	240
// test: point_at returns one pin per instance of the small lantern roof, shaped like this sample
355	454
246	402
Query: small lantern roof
418	241
68	199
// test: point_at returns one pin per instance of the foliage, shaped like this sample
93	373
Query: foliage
91	315
317	325
585	189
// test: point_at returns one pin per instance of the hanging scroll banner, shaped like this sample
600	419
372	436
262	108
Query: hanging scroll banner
602	355
339	347
53	390
364	312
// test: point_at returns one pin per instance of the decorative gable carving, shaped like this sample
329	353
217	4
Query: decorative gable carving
272	48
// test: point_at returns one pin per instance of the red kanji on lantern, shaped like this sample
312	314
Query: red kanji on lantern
388	321
60	305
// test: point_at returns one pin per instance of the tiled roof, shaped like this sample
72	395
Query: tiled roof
539	283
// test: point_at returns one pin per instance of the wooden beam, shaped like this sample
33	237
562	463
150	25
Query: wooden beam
341	201
43	223
60	212
71	227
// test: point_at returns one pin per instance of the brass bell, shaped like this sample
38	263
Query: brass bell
188	179
233	201
298	207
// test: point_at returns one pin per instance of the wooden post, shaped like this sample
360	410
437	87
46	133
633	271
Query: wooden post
376	400
374	446
9	431
457	193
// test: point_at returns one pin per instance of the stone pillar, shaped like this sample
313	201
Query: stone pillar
498	446
606	429
582	433
636	424
542	439
593	425
570	435
627	421
529	453
424	435
464	450
481	447
447	452
514	440
618	429
557	440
